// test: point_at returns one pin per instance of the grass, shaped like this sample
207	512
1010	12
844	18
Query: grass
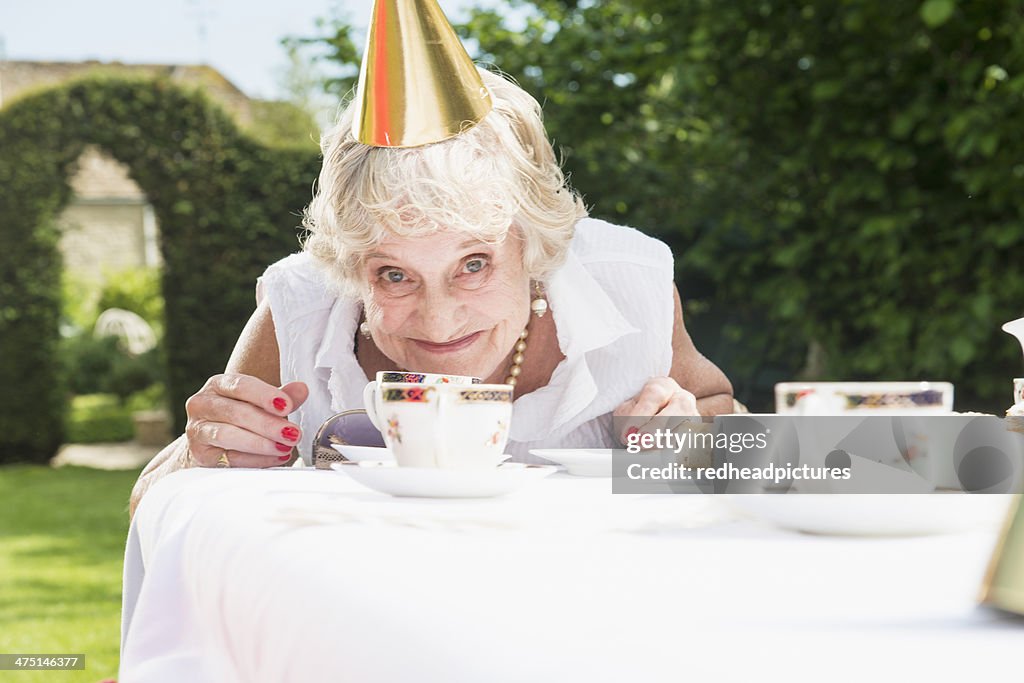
62	534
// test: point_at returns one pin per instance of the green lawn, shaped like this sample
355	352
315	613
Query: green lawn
62	534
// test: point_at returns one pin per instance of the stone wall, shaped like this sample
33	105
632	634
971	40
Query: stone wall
103	238
100	176
108	226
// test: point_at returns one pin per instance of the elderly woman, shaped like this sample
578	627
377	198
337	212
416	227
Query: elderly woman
444	257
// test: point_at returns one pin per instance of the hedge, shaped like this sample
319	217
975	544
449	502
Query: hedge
227	206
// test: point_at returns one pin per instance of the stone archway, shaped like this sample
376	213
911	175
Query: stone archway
227	207
109	223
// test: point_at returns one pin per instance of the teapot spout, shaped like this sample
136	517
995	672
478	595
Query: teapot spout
1016	328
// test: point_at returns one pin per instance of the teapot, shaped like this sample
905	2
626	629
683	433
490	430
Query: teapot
1016	328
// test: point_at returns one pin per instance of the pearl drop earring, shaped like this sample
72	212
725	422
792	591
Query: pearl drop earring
539	305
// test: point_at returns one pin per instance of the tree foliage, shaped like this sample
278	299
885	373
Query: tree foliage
838	176
332	47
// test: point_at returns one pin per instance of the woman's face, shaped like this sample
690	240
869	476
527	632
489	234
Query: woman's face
446	302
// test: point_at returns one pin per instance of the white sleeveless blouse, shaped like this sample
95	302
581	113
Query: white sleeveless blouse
613	307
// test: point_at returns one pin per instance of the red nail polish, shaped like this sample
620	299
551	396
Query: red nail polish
285	458
280	403
283	448
290	433
631	431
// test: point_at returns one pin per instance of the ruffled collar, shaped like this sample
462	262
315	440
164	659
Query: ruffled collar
586	319
336	356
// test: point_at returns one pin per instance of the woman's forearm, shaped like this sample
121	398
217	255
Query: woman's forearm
716	404
172	458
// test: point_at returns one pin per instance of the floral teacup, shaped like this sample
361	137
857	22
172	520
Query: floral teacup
837	398
424	378
447	426
370	397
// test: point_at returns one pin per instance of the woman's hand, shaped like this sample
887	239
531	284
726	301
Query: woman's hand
660	397
244	418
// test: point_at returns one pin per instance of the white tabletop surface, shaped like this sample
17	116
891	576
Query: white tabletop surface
304	575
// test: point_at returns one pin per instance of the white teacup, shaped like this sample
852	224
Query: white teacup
447	426
423	378
402	377
864	398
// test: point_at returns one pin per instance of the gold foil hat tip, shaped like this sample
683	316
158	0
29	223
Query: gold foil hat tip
417	84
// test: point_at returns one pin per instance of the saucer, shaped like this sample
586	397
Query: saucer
364	453
581	462
875	514
422	482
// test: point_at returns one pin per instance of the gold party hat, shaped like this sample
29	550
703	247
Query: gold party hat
417	84
1004	582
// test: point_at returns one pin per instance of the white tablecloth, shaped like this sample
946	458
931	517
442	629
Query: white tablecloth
303	575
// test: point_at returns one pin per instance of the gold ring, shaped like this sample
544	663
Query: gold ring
223	461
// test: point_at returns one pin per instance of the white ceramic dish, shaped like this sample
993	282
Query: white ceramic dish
421	482
863	398
581	462
364	453
875	514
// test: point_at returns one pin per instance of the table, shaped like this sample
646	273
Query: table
303	575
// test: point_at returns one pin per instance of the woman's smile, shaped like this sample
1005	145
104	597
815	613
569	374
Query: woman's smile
447	347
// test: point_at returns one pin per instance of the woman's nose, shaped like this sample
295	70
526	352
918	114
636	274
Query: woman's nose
440	313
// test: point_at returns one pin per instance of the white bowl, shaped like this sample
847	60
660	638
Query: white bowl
875	514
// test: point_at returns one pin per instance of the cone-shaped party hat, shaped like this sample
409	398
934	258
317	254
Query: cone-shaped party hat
1004	581
417	84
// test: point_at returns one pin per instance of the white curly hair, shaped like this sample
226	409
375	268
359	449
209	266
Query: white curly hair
500	176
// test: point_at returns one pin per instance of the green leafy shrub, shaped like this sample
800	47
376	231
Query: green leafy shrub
79	295
98	365
153	397
227	207
136	290
99	418
107	417
283	124
132	374
87	362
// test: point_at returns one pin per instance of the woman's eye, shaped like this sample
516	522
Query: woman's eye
475	265
394	282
